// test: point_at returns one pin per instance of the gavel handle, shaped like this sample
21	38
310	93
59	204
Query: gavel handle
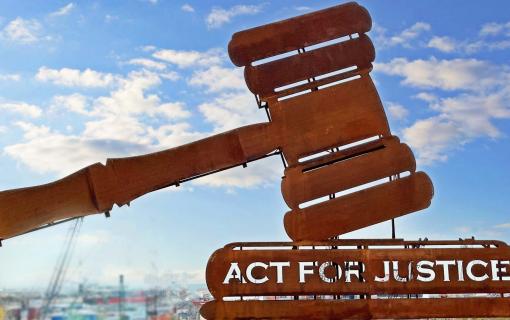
96	188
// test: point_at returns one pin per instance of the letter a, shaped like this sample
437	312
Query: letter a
233	273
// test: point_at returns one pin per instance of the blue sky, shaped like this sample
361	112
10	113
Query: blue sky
83	81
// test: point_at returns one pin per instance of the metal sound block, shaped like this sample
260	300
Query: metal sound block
379	269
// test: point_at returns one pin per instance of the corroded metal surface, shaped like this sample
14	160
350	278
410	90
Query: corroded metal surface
360	209
264	79
280	37
306	182
359	309
329	118
287	269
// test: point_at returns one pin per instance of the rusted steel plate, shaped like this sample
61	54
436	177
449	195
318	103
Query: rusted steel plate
358	309
360	209
328	118
264	79
304	271
301	184
280	37
27	208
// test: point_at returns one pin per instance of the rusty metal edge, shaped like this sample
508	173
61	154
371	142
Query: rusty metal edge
359	309
368	242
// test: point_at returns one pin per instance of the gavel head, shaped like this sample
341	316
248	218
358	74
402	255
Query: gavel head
312	74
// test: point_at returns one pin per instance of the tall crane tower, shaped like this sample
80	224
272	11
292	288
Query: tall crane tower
59	273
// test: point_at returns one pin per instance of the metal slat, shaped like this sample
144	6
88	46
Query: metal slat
264	79
280	37
359	309
360	209
299	186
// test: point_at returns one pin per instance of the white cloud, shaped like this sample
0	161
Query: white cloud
45	150
218	79
484	97
476	46
3	129
410	33
75	78
10	77
493	29
124	129
147	63
130	98
172	135
219	16
187	8
409	37
31	131
75	103
172	110
404	38
444	44
22	31
426	96
499	45
473	112
492	36
448	45
431	138
65	10
460	120
22	108
232	110
116	127
170	75
185	59
397	111
466	74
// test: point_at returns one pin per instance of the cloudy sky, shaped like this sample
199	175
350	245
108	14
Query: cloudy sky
83	81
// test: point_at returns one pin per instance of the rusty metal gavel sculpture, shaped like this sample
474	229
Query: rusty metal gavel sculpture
320	99
311	74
